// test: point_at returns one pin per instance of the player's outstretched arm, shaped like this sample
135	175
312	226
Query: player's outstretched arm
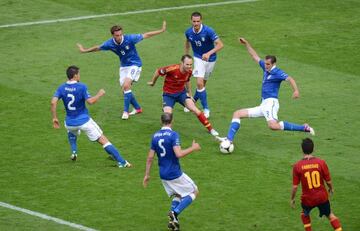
154	78
183	152
149	161
156	32
294	87
55	120
250	50
86	50
95	98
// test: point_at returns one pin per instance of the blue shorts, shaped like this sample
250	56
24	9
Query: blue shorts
169	100
324	209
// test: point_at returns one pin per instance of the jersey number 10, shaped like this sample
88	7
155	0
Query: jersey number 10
313	179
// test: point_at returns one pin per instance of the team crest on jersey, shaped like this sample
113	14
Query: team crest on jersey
190	38
203	39
127	47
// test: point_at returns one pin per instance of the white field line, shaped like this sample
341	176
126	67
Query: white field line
124	13
46	217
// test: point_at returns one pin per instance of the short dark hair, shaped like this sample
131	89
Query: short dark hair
166	118
272	58
185	56
115	28
71	71
196	14
307	146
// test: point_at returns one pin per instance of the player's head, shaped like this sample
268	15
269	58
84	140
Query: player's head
73	73
196	20
117	33
166	118
307	146
270	61
186	62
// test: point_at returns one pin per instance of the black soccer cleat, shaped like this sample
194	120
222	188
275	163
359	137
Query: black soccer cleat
173	222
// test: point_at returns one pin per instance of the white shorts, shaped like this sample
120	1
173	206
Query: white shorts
202	69
131	72
268	109
182	186
90	128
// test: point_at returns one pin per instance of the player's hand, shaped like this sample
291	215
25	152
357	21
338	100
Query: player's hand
81	48
56	123
205	57
292	203
163	29
243	41
101	92
146	181
195	146
151	83
296	95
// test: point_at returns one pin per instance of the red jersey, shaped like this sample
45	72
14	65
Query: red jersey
312	172
174	80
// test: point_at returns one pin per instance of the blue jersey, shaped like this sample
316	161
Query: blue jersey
162	143
74	95
271	81
126	50
202	41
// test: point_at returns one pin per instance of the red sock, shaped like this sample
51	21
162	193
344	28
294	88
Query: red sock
306	221
335	223
204	121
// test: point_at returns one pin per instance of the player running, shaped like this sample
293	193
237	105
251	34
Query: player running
74	95
177	89
123	45
166	144
312	172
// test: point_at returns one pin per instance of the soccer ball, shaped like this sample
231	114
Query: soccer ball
226	147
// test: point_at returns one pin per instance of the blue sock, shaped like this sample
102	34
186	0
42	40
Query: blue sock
72	140
127	99
196	96
203	98
234	127
111	150
292	127
174	203
185	202
134	102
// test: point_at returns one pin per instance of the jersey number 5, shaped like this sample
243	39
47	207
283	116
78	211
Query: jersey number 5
313	179
70	104
160	143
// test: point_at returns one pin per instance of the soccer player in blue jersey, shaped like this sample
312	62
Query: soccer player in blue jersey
166	144
123	45
272	78
74	95
205	43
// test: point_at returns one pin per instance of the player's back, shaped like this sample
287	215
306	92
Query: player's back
74	96
163	143
312	172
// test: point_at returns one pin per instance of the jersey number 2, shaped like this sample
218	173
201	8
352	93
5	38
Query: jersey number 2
160	143
70	104
313	179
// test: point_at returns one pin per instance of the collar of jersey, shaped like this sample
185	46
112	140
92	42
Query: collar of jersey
201	27
122	40
71	82
166	128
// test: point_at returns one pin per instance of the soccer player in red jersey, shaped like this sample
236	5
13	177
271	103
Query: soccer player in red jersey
312	172
177	89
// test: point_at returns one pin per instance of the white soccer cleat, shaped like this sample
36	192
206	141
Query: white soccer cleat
220	139
125	115
135	111
214	132
207	113
73	157
186	110
309	129
126	165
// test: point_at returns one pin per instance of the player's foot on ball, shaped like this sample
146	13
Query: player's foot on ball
135	111
126	165
309	129
173	221
186	110
207	113
125	115
220	139
73	157
214	132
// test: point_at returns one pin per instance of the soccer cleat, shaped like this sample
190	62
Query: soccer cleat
207	113
309	129
214	132
125	115
173	222
220	139
135	111
126	165
73	157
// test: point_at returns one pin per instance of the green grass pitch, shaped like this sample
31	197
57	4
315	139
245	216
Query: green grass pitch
316	42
